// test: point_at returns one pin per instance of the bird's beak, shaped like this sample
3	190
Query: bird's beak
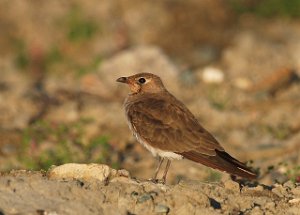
122	80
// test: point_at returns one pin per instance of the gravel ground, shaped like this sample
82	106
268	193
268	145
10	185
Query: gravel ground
98	189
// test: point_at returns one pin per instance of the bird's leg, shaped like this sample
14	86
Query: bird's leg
166	171
161	160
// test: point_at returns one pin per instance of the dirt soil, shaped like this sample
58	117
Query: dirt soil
107	191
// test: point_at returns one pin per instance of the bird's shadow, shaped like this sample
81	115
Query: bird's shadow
246	183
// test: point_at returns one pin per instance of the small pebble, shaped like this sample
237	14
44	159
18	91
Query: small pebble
134	194
296	191
212	75
256	211
279	190
231	185
161	209
124	173
270	205
294	201
144	197
258	188
289	184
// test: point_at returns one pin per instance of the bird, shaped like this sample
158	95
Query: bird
169	130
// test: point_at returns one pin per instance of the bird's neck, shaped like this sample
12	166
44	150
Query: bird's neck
143	95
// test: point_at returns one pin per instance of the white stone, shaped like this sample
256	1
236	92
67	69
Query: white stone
294	201
212	75
85	172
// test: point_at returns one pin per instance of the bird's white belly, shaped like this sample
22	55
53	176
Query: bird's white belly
157	152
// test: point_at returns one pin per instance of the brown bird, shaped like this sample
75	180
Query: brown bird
166	127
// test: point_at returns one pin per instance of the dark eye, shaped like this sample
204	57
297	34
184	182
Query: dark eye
142	80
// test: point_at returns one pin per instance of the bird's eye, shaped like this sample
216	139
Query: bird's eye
142	80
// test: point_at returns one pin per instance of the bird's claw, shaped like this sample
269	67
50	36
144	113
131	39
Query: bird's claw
157	181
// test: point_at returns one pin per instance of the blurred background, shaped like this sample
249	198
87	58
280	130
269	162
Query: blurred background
235	64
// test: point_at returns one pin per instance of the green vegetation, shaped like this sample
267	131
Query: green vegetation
280	132
21	58
69	53
217	99
267	8
213	176
45	144
81	70
78	27
291	171
294	174
53	56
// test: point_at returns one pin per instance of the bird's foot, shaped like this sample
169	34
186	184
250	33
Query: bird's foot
157	181
154	180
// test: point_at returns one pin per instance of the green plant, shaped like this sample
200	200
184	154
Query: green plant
21	57
213	176
267	8
281	131
217	98
294	174
79	27
54	55
45	144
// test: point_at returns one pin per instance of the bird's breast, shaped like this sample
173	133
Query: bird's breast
155	151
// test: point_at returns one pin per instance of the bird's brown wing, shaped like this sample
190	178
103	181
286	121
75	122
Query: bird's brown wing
168	125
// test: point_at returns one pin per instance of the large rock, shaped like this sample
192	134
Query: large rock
136	60
85	172
257	53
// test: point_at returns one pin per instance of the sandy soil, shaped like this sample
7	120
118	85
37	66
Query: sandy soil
104	191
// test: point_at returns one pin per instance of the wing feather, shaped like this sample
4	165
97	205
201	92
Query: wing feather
166	124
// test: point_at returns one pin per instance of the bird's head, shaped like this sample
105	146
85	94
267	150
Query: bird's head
143	83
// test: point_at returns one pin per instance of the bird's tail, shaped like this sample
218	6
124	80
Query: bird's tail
222	161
